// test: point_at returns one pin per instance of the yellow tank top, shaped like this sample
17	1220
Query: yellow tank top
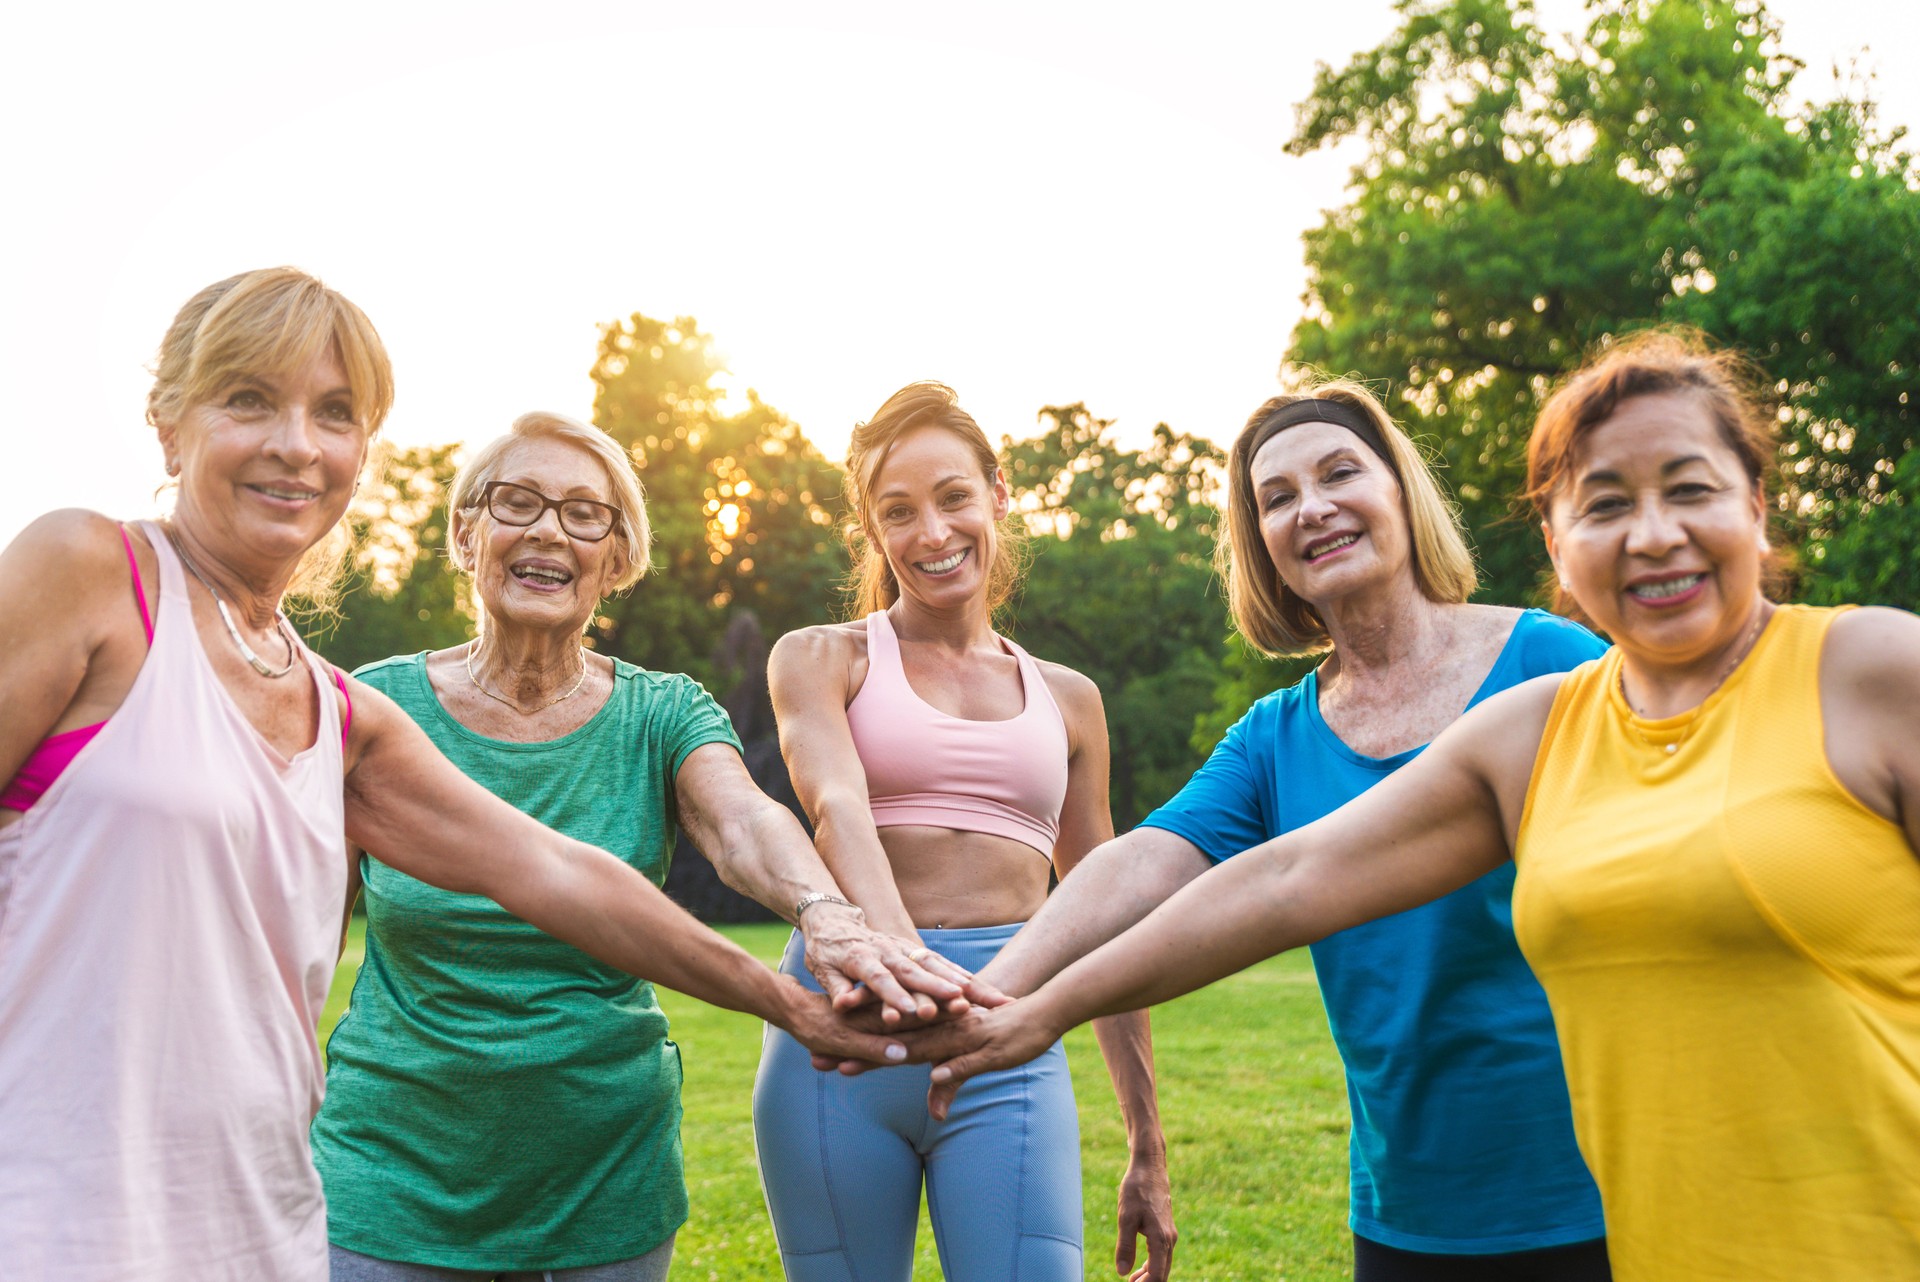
1730	942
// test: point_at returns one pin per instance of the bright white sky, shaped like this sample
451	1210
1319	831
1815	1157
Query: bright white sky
1035	203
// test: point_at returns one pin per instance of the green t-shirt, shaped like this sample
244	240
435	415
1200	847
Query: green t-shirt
497	1099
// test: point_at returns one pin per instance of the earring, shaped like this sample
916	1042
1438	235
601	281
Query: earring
173	467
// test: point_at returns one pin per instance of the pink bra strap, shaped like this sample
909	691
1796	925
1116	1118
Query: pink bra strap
139	589
346	722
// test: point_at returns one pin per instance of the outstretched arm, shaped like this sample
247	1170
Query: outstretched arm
760	850
1126	1039
1444	819
411	808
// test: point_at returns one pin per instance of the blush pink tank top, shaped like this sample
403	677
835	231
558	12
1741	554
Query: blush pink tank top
1005	778
169	917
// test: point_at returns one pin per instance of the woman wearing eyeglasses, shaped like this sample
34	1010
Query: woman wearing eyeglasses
498	1101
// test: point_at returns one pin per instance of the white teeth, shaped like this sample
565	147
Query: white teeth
540	574
942	566
271	492
1345	540
1670	588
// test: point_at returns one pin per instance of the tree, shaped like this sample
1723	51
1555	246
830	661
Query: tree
1120	586
738	502
402	596
1522	198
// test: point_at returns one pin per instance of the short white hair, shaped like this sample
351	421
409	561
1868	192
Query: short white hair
635	535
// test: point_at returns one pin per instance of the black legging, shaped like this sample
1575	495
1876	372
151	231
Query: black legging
1581	1262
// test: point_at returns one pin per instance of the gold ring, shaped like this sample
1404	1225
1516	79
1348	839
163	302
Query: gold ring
916	955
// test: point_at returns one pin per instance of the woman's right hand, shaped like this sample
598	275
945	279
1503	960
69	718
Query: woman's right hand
812	1021
982	1040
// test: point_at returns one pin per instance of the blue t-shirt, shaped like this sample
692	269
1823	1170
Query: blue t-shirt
1462	1137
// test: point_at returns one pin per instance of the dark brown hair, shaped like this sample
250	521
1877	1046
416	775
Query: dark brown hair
1651	363
871	585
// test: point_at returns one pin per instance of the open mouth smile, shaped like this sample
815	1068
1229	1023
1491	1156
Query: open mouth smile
1327	547
945	565
1665	591
543	575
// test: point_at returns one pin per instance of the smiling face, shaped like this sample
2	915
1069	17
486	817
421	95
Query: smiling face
1331	514
1659	533
933	513
538	576
267	463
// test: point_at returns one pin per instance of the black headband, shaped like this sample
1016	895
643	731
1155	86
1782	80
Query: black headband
1339	413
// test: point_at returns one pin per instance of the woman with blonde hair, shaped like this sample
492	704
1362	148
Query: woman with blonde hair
180	772
547	520
1717	830
1338	539
946	771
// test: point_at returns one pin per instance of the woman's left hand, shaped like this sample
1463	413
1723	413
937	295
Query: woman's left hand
856	964
1146	1211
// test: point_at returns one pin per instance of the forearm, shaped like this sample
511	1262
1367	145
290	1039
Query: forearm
761	851
1237	914
1109	892
851	850
604	907
1126	1044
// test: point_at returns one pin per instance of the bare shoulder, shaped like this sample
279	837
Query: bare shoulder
1078	698
1875	647
71	540
66	562
1870	670
822	643
829	658
1072	690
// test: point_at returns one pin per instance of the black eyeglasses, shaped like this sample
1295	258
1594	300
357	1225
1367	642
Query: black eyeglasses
513	504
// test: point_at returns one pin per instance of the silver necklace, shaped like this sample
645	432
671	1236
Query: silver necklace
501	698
1740	652
226	616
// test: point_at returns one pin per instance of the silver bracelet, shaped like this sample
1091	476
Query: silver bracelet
813	897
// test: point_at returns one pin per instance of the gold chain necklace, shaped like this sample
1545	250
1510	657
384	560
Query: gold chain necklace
525	712
1740	652
281	625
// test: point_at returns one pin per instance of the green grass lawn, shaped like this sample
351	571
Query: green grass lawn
1250	1089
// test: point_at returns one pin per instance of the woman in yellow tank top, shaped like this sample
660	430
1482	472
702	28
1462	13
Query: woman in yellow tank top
1715	825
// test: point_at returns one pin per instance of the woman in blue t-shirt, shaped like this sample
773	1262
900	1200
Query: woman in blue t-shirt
1338	539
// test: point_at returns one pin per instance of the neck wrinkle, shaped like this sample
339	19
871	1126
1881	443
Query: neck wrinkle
526	665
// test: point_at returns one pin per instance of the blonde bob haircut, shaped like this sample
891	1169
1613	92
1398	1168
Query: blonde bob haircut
1267	613
635	535
272	322
871	584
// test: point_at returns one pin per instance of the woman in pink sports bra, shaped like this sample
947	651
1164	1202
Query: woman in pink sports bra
182	778
946	772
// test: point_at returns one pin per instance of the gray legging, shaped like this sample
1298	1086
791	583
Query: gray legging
351	1266
842	1159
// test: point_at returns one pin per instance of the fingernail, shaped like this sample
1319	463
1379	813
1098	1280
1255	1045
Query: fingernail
942	1073
896	1052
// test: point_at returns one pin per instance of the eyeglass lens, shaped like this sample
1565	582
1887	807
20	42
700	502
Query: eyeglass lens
518	505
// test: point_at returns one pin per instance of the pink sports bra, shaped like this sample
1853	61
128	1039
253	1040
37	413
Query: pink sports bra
924	767
56	752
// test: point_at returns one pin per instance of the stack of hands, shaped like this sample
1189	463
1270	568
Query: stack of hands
918	1007
928	1009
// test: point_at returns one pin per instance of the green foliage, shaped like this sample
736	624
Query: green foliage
738	501
1241	679
402	596
1121	587
1522	198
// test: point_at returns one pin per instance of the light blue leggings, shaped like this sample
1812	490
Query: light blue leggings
841	1159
